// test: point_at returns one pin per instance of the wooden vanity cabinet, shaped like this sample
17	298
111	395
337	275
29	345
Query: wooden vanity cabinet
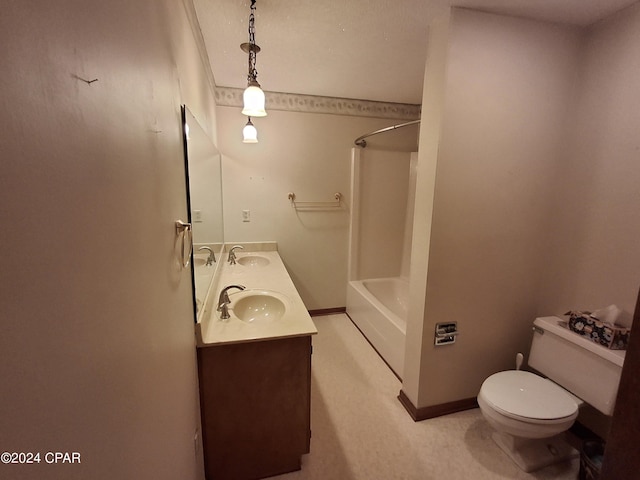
255	401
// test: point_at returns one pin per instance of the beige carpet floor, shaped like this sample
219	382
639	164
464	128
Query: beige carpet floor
360	431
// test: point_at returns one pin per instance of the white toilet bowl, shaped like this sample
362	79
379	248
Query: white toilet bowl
528	412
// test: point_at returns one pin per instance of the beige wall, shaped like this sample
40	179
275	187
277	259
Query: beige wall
594	258
507	82
97	346
535	193
308	154
429	140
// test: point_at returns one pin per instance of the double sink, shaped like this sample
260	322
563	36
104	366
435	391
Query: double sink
268	307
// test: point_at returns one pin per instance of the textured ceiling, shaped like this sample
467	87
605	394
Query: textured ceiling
360	49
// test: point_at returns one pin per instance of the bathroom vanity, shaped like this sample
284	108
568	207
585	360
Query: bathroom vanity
255	370
255	403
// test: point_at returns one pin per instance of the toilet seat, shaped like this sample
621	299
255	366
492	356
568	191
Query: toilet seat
527	397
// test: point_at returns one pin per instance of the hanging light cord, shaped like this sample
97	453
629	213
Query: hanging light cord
253	73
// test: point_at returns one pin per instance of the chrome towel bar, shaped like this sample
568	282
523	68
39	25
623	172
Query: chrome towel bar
329	205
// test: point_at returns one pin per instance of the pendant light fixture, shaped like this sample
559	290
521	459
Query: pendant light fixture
249	133
253	97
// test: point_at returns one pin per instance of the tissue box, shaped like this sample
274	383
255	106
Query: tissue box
610	336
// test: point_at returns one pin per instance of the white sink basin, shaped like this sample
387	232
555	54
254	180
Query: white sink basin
258	305
253	261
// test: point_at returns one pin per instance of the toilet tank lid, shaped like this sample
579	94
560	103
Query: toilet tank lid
521	394
559	327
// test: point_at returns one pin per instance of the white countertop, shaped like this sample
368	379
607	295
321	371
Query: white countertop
273	279
203	275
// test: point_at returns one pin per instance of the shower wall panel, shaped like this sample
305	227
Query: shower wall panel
384	186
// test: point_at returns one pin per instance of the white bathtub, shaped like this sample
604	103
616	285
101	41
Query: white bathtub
379	308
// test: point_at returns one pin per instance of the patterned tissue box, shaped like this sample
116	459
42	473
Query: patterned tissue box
613	336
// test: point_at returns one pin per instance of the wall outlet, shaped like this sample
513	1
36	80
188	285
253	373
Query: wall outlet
197	216
246	215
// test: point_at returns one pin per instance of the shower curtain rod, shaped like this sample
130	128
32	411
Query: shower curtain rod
360	140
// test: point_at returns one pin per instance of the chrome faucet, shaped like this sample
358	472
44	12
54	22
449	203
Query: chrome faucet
232	254
212	256
223	300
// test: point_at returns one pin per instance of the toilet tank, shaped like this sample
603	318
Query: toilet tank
588	370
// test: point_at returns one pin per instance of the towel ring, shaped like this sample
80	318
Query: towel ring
182	230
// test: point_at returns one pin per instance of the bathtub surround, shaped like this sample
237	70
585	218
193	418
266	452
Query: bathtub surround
380	186
383	195
378	308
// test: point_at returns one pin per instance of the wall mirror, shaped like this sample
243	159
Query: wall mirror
204	201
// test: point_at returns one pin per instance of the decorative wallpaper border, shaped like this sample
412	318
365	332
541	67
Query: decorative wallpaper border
291	102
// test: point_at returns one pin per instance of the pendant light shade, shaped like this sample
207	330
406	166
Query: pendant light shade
253	97
249	133
253	101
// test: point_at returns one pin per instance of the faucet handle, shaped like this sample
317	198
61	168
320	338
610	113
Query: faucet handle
224	296
232	254
239	287
212	256
223	300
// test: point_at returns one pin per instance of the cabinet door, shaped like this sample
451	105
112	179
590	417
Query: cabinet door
255	403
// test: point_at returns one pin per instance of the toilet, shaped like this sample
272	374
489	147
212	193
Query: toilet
530	413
